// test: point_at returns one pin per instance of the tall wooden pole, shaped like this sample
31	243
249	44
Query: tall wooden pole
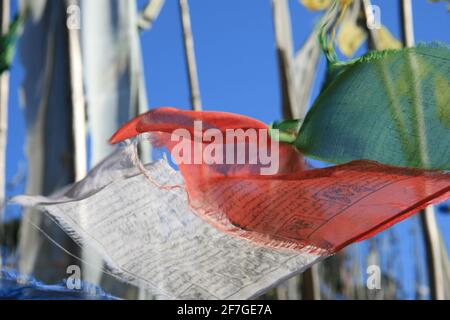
285	51
4	91
428	220
432	240
78	101
189	51
407	23
291	109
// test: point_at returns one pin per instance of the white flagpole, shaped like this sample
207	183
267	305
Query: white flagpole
430	228
189	51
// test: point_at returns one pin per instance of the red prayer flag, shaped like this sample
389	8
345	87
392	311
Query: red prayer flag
292	207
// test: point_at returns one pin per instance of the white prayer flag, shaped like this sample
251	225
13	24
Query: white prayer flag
150	237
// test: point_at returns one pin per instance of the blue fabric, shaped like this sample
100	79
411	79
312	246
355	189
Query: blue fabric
13	285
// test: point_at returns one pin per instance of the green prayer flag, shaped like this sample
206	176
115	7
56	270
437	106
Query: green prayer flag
389	106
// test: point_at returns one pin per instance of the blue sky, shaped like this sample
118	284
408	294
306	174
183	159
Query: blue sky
237	67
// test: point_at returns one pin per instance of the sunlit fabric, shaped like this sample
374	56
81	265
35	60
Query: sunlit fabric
293	207
388	106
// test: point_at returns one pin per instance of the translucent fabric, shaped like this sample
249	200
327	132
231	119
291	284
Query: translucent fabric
321	209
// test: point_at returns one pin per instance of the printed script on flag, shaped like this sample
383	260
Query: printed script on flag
150	237
224	230
321	210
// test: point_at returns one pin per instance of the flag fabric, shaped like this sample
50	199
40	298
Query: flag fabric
150	236
244	211
224	230
400	99
43	50
294	208
114	80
